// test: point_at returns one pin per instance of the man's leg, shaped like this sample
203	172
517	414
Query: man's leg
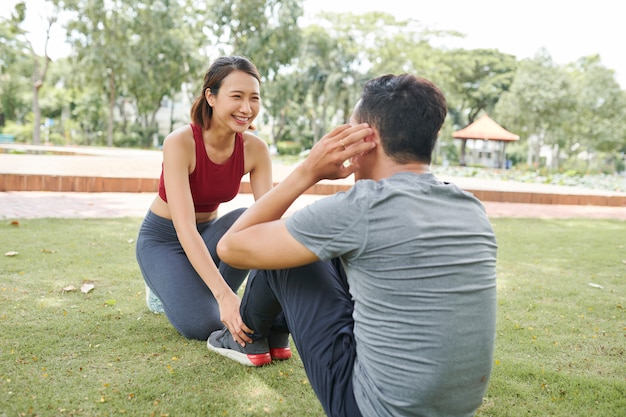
318	310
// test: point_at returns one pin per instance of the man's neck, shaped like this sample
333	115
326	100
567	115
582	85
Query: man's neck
388	168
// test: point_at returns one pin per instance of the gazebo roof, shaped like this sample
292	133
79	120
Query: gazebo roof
485	129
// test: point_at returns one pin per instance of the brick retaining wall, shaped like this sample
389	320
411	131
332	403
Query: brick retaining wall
35	182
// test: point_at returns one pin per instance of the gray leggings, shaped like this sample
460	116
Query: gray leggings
187	301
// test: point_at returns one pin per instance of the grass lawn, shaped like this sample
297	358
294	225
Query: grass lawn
63	352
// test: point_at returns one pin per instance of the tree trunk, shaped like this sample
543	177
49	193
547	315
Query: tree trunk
111	107
173	97
463	161
38	80
36	114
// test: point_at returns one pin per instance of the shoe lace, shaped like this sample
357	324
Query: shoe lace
222	333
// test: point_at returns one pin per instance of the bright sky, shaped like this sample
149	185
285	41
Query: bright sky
568	29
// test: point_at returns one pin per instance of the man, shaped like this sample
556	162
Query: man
388	289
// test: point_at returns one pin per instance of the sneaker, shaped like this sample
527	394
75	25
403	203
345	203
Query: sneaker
279	346
153	302
253	354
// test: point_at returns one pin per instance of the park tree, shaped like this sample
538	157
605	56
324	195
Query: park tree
336	62
538	104
289	100
341	51
136	52
338	71
598	123
99	34
18	43
474	80
14	62
399	46
407	46
165	55
317	74
268	33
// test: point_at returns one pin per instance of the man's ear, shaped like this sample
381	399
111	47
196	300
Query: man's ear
373	137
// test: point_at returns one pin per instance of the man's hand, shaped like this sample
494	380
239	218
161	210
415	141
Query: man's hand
329	158
259	239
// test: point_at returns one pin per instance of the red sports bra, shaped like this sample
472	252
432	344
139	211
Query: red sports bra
211	183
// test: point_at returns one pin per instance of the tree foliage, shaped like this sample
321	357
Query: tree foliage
17	46
538	104
131	56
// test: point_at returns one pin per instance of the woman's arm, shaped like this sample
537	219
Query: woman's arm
178	156
258	163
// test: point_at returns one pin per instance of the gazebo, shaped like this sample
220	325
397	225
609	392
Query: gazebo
489	141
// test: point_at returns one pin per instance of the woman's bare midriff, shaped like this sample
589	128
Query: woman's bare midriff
161	209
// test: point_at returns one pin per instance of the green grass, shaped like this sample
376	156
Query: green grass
560	344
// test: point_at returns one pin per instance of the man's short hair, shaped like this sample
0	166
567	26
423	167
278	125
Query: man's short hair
407	111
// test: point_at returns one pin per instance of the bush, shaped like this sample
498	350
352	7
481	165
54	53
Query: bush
288	148
22	133
54	138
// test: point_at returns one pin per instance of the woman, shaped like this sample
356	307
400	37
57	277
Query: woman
203	164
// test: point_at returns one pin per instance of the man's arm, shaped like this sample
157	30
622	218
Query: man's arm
259	238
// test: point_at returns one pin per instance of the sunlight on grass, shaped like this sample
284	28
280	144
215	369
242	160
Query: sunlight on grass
560	343
560	347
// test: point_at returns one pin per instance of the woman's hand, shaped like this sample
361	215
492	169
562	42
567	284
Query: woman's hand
230	316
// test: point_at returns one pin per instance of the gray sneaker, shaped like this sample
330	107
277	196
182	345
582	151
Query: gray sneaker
253	354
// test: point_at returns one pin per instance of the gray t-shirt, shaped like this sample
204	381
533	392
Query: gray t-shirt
420	259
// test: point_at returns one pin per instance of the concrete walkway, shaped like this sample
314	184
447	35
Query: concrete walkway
111	163
42	204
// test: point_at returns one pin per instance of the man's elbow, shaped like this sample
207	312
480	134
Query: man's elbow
234	255
225	252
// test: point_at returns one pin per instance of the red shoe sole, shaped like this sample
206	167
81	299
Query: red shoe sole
280	354
259	359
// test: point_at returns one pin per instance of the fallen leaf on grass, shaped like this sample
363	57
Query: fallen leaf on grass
69	288
86	287
48	251
11	253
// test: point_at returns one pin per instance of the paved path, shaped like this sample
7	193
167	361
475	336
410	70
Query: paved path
35	204
137	163
133	163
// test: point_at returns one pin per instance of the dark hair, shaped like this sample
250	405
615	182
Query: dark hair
408	112
201	112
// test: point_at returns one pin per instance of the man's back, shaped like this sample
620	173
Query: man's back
420	259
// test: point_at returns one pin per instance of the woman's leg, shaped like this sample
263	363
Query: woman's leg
318	310
188	303
211	234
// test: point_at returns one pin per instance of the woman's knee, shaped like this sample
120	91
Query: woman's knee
198	331
232	216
